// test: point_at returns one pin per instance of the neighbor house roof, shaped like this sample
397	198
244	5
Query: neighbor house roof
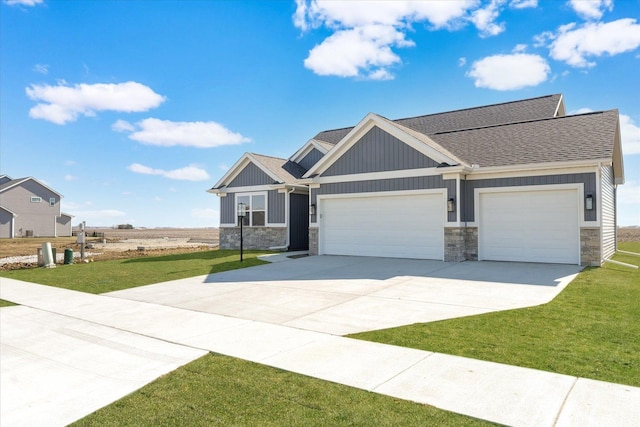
468	118
14	182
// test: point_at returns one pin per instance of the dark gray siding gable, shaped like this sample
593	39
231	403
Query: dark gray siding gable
311	159
378	151
251	175
588	179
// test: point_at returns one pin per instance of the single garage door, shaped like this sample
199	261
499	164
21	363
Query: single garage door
530	226
383	226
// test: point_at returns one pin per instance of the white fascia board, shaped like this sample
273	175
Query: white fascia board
560	110
363	127
251	188
233	171
306	149
533	169
10	211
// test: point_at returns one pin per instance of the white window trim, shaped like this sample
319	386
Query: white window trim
52	201
36	199
266	207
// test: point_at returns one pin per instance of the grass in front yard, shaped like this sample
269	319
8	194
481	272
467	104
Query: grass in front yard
217	390
590	330
107	276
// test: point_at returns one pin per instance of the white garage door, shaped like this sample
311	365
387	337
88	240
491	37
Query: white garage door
385	226
530	226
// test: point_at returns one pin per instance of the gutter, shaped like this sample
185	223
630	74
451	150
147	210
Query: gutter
286	213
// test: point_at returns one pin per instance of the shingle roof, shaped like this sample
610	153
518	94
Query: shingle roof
287	171
468	118
11	183
579	137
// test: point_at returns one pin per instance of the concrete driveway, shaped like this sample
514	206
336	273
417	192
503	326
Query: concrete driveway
342	295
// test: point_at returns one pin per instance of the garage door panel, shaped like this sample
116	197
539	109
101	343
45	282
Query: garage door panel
387	226
532	226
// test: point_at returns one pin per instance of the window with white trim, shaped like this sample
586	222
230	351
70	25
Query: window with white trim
256	208
36	199
52	201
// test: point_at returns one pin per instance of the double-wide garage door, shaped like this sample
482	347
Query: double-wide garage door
529	226
398	226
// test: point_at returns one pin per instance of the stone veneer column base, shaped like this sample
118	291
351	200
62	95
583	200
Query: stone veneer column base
313	240
460	244
253	237
590	247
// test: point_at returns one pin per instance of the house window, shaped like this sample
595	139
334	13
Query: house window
52	201
35	199
256	206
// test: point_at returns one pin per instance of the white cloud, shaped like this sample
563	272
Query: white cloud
363	51
630	135
69	163
580	111
519	48
122	126
41	68
69	177
167	133
522	4
188	173
484	19
63	103
462	61
509	72
574	45
591	9
23	2
364	33
97	214
224	167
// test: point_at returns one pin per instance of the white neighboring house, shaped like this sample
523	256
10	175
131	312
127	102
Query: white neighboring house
28	208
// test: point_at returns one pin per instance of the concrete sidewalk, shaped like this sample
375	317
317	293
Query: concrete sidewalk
495	392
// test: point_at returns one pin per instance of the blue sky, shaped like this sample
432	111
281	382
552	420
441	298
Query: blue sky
133	109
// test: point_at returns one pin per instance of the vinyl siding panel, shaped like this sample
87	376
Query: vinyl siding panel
251	175
37	217
378	151
227	209
6	228
588	179
276	207
608	206
311	159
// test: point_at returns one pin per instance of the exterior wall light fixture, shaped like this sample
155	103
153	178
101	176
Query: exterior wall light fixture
451	205
588	202
312	209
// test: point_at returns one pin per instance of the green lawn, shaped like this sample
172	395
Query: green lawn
107	276
592	329
217	390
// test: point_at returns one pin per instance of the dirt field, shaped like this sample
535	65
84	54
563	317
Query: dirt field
629	234
115	244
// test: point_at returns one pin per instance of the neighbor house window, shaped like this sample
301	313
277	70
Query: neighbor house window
35	199
52	201
256	206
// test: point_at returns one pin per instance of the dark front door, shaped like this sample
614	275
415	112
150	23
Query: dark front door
298	222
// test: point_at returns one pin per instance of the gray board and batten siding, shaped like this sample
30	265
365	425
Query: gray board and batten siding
311	159
384	185
378	151
468	187
249	176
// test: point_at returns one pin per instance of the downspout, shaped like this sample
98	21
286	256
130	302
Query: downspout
286	218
